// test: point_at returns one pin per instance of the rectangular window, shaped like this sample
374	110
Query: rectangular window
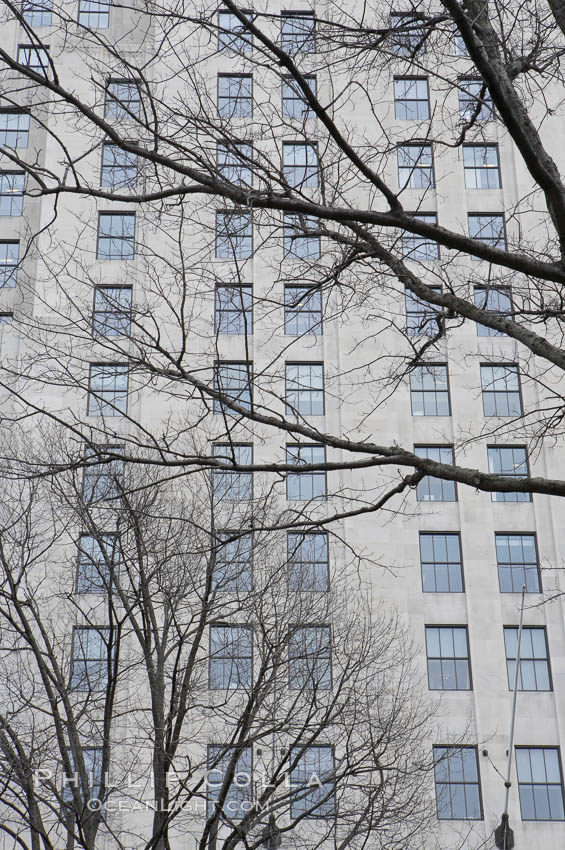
94	13
233	567
14	128
298	32
308	561
12	185
6	318
302	310
119	168
234	309
298	240
421	317
458	794
92	761
239	791
37	13
540	783
294	104
108	389
235	95
488	229
495	300
231	657
429	390
447	650
431	489
310	658
416	247
91	650
300	164
34	58
9	258
103	474
305	486
518	565
234	235
116	236
408	36
534	673
234	486
304	389
411	98
415	166
235	162
475	102
511	462
312	782
480	163
98	562
442	565
232	34
235	382
501	390
122	99
112	311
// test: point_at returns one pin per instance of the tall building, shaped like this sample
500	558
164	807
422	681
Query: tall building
257	283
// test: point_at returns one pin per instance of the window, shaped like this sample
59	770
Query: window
233	568
458	794
475	102
119	168
6	318
107	389
421	317
429	390
534	674
14	128
122	99
98	561
235	95
12	184
294	104
234	309
297	243
9	258
112	310
234	235
407	34
308	561
431	489
501	390
304	486
234	381
298	32
240	791
488	229
310	661
92	761
540	783
234	486
300	164
91	649
235	162
511	462
232	34
302	310
517	559
312	781
480	163
103	474
495	300
37	14
231	657
116	236
448	658
34	58
417	247
304	389
94	13
441	562
411	98
415	166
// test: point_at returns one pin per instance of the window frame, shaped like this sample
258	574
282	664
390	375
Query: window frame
301	390
309	39
243	581
9	271
231	147
426	392
237	244
97	472
236	111
102	677
293	314
307	565
313	474
222	407
557	749
419	249
504	496
234	659
112	103
97	405
495	393
310	169
414	78
96	16
533	658
238	481
308	112
474	145
403	47
311	679
523	565
123	316
120	239
292	237
444	481
244	290
428	627
43	9
481	293
106	168
455	748
241	793
435	563
307	809
246	44
461	90
489	241
41	53
106	581
416	167
18	132
11	194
